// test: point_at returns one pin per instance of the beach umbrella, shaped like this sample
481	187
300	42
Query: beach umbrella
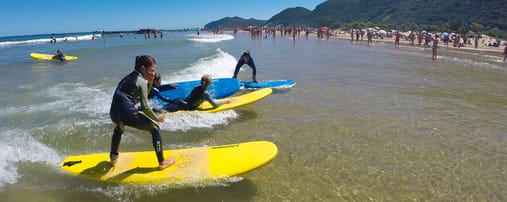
382	31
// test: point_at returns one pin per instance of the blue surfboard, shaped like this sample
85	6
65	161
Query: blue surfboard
268	84
220	88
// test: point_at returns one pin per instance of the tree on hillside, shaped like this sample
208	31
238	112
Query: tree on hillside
494	32
477	27
456	24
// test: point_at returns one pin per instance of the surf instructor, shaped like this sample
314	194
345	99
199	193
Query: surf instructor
130	108
246	59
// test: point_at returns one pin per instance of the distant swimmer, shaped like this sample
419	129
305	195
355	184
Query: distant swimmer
246	59
59	55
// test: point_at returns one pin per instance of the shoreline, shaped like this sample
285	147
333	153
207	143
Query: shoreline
482	49
495	51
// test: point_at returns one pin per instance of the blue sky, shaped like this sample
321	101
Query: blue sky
22	17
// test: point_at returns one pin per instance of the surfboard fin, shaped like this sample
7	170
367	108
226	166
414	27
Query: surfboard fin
71	163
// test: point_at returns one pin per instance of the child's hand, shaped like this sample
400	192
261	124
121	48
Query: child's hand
161	117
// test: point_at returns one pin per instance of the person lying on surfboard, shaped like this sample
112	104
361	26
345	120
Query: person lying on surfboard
198	95
132	89
155	92
246	59
59	55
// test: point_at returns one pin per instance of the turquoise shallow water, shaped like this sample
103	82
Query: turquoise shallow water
363	122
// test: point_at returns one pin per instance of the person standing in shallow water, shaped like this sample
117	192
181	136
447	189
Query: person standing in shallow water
397	39
505	53
434	48
130	108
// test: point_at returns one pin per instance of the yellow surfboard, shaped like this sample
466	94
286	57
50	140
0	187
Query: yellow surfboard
237	101
41	56
192	164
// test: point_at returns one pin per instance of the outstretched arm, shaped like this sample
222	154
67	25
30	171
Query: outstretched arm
213	102
241	62
157	93
142	92
254	69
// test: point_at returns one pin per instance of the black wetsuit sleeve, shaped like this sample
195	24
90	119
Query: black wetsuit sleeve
142	93
241	62
215	103
156	92
252	65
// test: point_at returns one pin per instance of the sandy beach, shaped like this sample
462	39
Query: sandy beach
482	48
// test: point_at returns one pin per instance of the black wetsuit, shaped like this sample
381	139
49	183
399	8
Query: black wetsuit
192	101
155	92
241	62
59	56
131	90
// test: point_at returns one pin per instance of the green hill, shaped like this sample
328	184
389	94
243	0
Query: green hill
452	15
234	22
490	13
291	17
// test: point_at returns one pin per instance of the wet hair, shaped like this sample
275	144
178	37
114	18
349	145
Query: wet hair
157	77
144	60
206	80
246	53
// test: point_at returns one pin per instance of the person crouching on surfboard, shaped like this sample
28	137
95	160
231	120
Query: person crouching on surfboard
198	95
246	59
133	88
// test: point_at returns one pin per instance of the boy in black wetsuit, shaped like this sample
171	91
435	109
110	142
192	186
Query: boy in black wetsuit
198	95
125	109
246	59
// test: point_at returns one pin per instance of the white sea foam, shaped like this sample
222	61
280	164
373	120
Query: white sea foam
218	65
69	98
19	146
484	65
128	193
184	121
48	40
210	38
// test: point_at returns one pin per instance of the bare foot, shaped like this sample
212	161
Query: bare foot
112	163
113	158
166	163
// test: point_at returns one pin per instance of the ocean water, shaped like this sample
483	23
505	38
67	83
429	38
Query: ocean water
363	123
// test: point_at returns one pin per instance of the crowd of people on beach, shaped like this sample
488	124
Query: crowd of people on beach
412	38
